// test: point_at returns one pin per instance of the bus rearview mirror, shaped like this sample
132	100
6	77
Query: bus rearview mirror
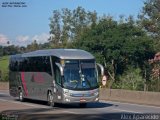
101	69
60	68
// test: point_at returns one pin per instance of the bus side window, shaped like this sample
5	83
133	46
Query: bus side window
48	65
16	66
25	66
45	65
11	64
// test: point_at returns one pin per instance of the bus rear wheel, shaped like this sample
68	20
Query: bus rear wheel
50	99
21	98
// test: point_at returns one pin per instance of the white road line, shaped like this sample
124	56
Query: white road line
122	110
70	112
4	91
4	94
27	104
130	104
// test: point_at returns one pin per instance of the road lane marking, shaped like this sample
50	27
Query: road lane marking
4	94
4	91
27	104
70	112
130	104
122	110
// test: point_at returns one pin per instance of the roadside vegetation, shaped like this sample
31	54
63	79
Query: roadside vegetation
127	48
4	61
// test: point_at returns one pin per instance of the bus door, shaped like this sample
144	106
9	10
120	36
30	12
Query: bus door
57	90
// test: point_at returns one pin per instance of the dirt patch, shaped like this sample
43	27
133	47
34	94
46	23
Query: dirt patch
4	85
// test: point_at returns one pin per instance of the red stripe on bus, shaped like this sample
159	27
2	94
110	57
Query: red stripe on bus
24	83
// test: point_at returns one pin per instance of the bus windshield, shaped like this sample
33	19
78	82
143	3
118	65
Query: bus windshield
80	75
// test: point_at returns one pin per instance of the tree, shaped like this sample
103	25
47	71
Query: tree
66	30
66	26
150	20
10	50
154	82
8	42
1	51
131	79
55	29
33	46
117	45
92	17
79	22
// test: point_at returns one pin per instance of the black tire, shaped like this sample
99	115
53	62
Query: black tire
83	105
50	99
21	98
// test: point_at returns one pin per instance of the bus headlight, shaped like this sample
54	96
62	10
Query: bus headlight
96	93
66	92
67	100
97	99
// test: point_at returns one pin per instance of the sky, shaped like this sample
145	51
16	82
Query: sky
22	21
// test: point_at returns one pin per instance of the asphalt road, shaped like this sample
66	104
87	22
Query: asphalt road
104	110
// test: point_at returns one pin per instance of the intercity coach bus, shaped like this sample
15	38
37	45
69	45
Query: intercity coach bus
55	76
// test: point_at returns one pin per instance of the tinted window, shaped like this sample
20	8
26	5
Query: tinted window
30	64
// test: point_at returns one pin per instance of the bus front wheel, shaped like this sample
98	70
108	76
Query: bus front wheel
50	99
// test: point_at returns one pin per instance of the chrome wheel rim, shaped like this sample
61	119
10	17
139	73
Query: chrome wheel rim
20	96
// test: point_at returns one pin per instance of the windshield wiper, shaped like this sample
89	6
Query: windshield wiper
88	81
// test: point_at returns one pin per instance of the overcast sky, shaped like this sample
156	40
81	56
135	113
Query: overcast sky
22	25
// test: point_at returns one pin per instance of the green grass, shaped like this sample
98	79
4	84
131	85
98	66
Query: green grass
4	62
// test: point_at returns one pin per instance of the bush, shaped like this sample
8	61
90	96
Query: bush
131	80
4	61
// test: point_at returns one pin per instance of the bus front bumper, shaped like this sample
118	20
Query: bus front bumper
69	99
